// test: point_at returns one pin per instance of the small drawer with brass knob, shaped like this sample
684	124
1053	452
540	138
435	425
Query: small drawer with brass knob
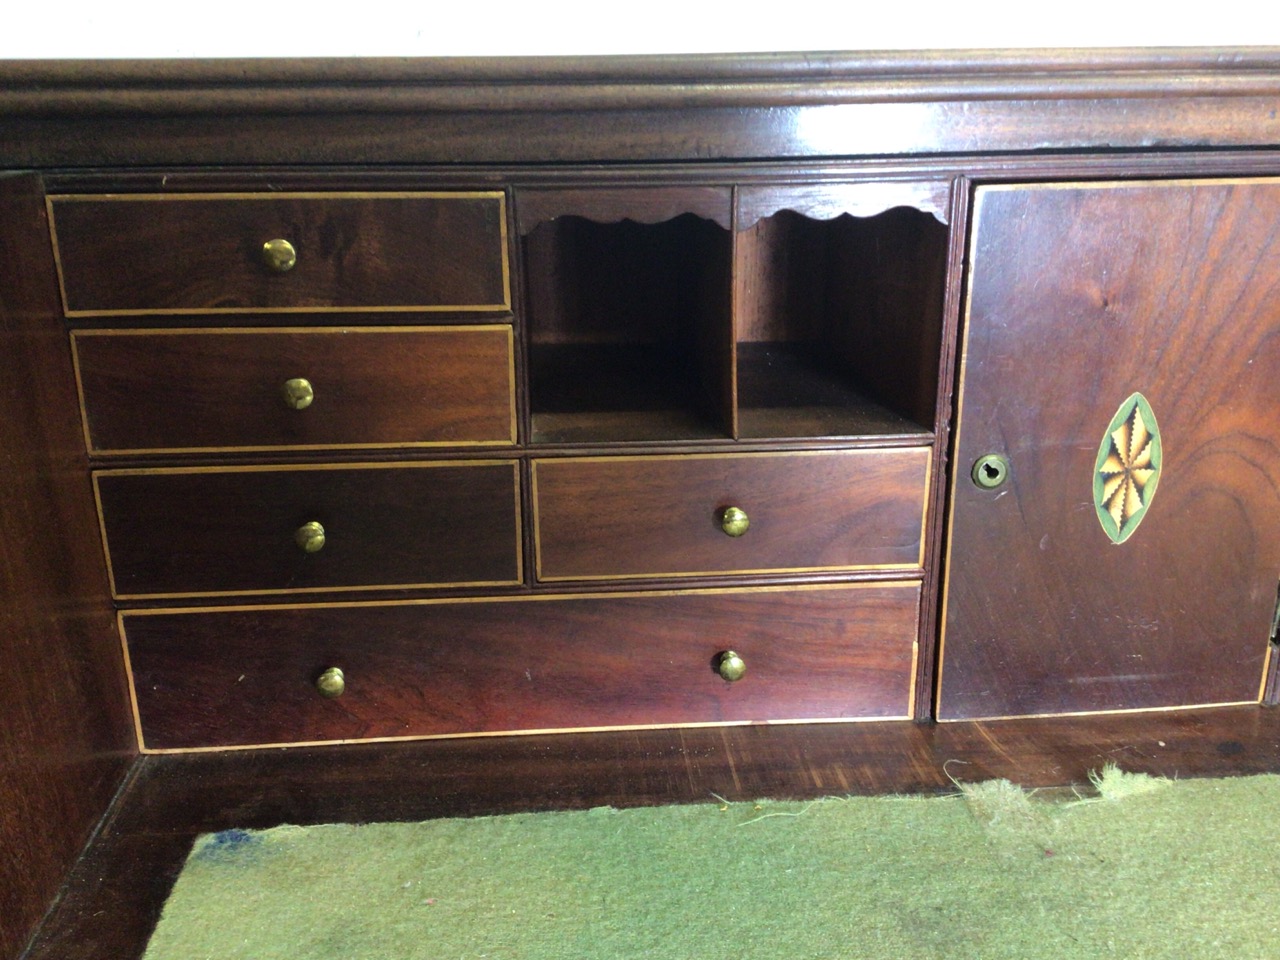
265	529
192	390
260	253
729	514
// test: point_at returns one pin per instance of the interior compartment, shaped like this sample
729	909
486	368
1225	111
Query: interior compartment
629	330
839	324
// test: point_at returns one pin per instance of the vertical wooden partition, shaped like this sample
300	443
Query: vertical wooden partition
66	737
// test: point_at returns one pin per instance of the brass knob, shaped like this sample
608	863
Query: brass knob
298	393
279	255
731	666
734	522
332	683
309	536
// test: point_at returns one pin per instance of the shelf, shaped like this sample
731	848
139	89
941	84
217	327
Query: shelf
614	393
792	392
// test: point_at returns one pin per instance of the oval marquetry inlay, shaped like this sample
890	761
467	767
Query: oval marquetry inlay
1127	469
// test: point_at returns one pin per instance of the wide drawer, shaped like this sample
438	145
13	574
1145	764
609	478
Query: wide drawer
660	516
253	530
205	253
148	391
243	677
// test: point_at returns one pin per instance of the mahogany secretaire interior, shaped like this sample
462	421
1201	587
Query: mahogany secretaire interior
388	439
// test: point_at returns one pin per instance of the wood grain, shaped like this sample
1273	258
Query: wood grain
219	531
592	110
246	677
191	256
826	201
65	733
1080	296
660	516
195	391
611	204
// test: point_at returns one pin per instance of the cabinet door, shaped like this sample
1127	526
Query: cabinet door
1122	355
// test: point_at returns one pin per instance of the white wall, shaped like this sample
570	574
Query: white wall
146	28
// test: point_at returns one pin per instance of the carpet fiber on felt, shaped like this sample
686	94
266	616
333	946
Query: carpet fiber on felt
1145	869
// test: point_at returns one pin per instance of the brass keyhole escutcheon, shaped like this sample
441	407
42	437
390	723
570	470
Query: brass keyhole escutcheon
279	256
990	471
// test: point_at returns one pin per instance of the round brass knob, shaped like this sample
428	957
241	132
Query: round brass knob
734	522
309	536
731	666
298	393
332	683
279	255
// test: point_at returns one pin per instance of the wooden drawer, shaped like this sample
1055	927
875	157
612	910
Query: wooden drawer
180	391
247	676
662	516
220	530
203	253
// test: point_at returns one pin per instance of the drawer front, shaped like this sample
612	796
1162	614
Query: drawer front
194	390
204	253
247	677
663	516
204	532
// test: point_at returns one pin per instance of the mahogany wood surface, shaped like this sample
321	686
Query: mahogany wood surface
826	200
65	736
643	204
191	256
114	896
227	530
215	391
661	516
1081	295
611	109
862	293
245	677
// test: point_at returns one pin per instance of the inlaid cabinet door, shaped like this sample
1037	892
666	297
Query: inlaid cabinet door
1114	539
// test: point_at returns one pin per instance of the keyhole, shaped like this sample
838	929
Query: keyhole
990	471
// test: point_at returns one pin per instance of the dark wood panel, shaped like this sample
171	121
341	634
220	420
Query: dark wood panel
660	516
593	109
64	733
114	897
826	201
244	677
647	204
1080	296
187	254
225	530
207	390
